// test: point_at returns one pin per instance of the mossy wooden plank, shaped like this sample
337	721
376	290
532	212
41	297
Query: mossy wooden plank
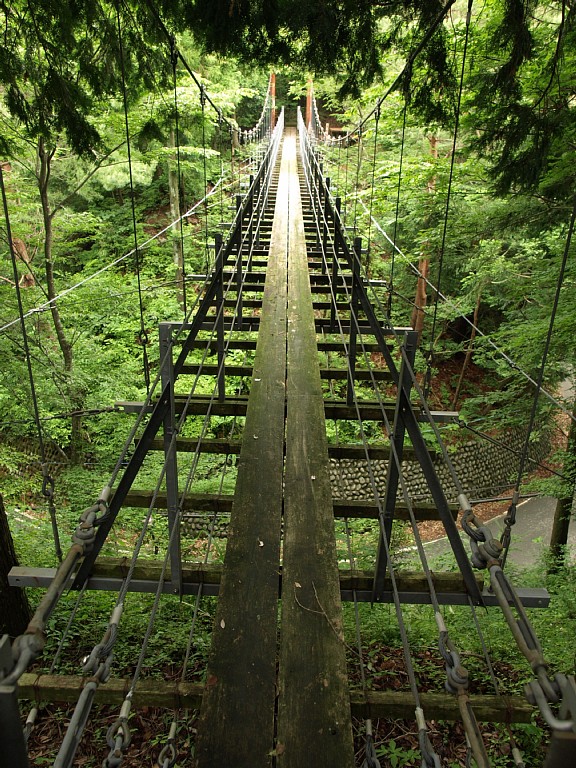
169	695
314	725
222	503
211	573
236	725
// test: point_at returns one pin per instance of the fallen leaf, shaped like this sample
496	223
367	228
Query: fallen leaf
222	623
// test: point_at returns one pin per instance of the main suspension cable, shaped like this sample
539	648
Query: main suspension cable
428	374
47	480
510	518
143	335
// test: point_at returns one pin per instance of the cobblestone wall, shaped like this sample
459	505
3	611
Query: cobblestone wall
484	470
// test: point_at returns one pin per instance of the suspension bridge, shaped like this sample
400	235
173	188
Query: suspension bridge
288	297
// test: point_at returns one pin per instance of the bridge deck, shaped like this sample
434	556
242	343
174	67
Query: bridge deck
237	716
314	725
237	720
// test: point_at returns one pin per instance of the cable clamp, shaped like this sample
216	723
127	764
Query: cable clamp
48	487
25	649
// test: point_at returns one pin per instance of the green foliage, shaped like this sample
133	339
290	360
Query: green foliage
397	756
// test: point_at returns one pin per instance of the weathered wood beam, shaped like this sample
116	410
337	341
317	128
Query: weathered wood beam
313	724
236	723
65	689
413	589
231	447
222	503
336	374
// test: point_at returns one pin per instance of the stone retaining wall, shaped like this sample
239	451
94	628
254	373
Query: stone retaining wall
484	470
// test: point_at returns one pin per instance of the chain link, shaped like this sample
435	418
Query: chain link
488	552
118	739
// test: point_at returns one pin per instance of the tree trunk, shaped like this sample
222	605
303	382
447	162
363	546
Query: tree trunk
178	254
421	297
469	351
14	607
76	400
564	506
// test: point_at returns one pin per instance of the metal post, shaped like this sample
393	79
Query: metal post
325	227
336	236
220	317
251	193
14	752
273	97
354	306
309	105
170	456
238	323
399	432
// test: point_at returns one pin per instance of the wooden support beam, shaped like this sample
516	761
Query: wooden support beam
222	503
412	587
65	689
355	452
236	724
314	724
336	374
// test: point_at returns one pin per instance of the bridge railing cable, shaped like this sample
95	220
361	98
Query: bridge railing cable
96	521
486	550
457	677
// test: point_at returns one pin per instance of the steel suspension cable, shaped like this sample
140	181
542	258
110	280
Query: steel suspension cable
114	263
428	375
372	186
118	737
510	518
168	754
174	61
509	361
406	70
47	480
33	713
543	690
143	335
398	190
359	159
516	756
100	659
429	756
456	674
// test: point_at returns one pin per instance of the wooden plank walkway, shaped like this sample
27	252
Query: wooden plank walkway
239	724
314	723
237	716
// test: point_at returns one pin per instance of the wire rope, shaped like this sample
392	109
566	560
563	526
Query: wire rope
510	518
143	335
472	325
182	267
428	754
397	213
428	374
372	187
47	480
114	263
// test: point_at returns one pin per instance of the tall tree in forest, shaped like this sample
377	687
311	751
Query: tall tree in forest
60	62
